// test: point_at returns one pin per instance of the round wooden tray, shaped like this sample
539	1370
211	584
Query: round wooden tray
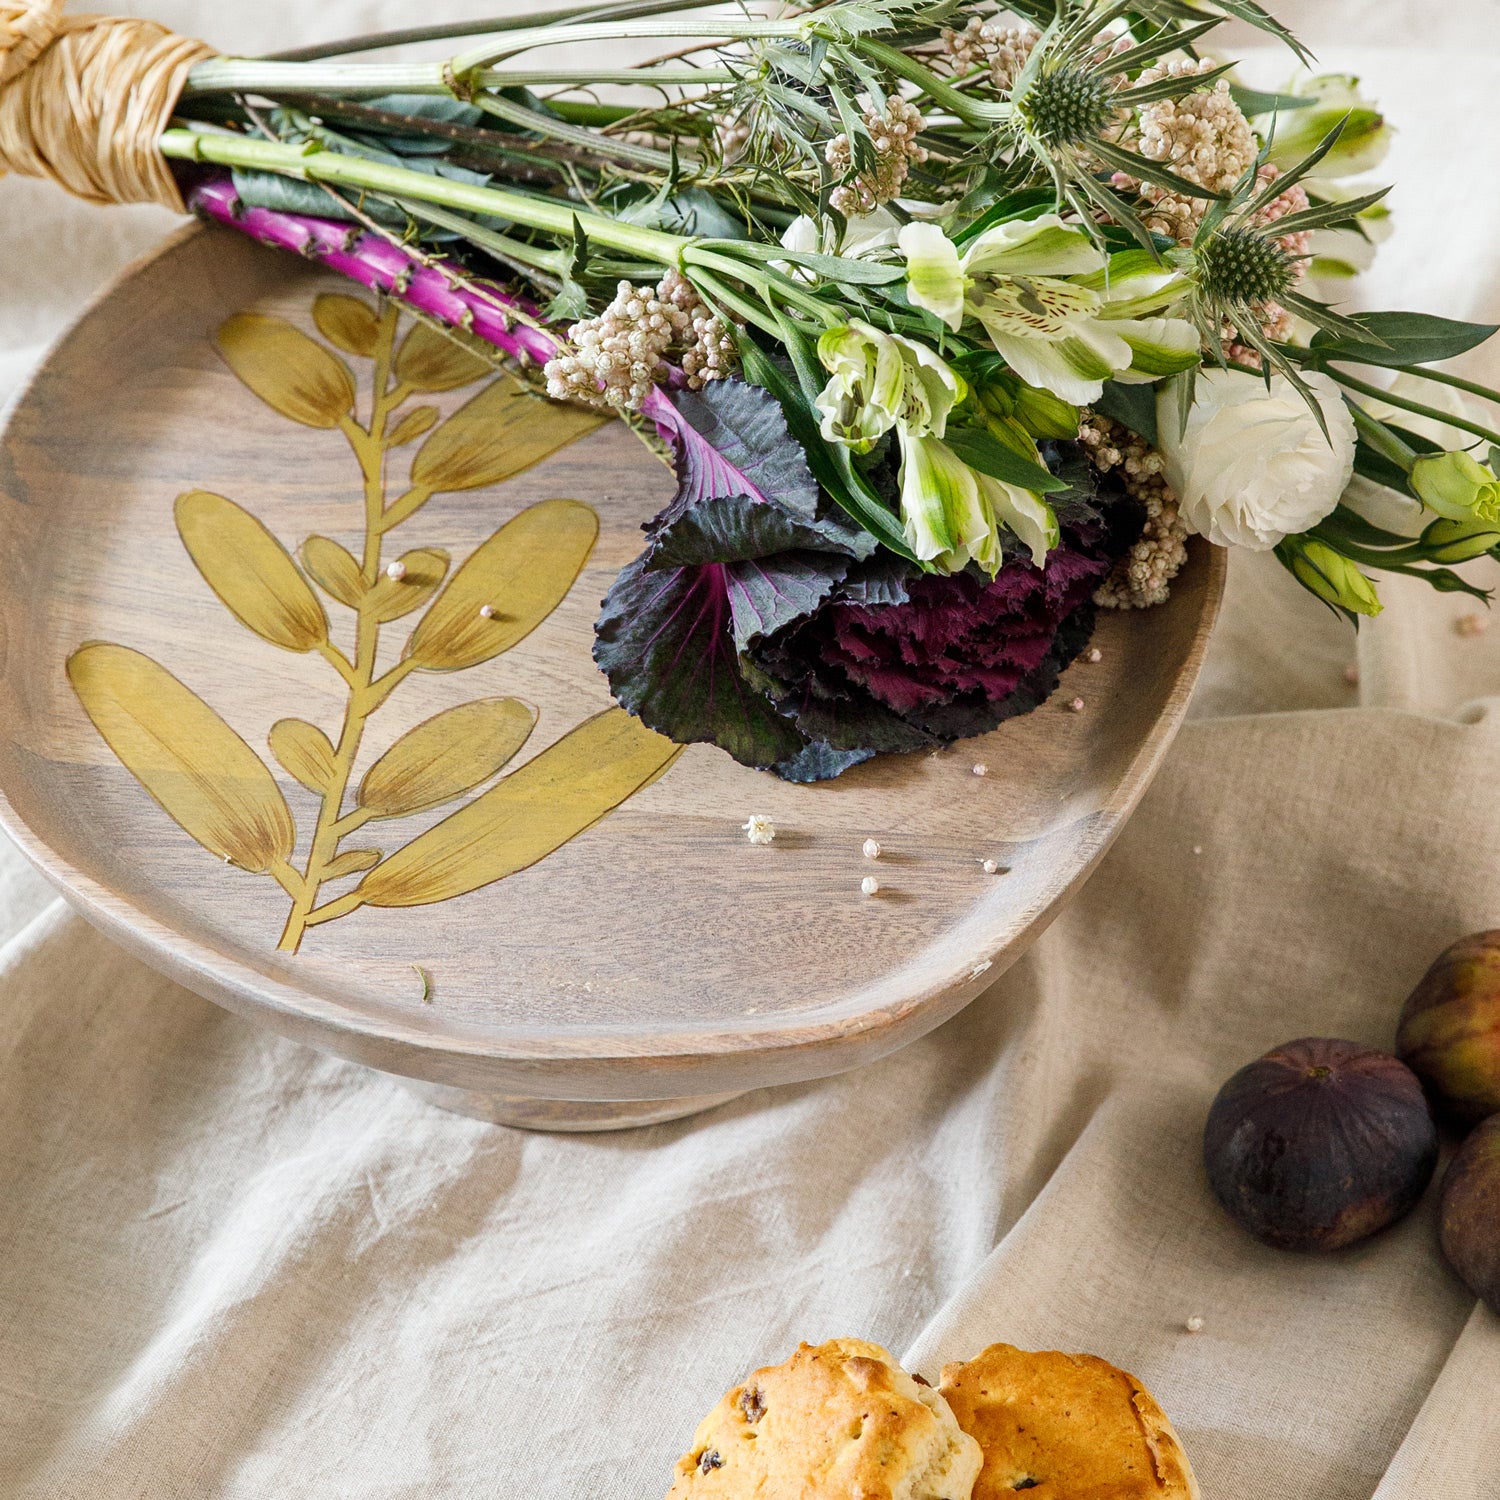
654	962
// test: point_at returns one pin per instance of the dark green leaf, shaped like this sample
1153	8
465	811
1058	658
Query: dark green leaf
1396	339
1253	102
983	451
1132	406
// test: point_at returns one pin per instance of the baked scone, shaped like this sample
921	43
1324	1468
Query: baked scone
1065	1427
842	1421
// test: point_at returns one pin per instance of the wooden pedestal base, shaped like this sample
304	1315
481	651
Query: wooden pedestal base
572	1115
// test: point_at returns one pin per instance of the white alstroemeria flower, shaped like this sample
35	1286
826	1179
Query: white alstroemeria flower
1252	465
1339	255
1024	513
879	381
947	518
863	235
1062	315
951	513
1361	145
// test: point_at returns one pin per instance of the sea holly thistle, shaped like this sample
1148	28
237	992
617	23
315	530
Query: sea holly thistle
213	783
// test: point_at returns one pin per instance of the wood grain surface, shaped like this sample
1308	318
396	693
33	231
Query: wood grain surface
650	965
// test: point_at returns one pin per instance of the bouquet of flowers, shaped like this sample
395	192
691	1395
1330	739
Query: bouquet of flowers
953	322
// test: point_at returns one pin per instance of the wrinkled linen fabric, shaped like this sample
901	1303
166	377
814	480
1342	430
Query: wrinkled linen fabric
232	1267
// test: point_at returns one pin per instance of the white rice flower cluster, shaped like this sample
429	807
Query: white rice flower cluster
988	44
709	353
1203	136
894	137
1140	578
618	356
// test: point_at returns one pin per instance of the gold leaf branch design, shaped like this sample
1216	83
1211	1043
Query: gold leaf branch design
210	781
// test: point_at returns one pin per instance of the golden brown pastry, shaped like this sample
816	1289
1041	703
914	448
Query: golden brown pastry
1065	1427
842	1421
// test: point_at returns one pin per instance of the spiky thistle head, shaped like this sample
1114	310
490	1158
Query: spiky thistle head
1079	88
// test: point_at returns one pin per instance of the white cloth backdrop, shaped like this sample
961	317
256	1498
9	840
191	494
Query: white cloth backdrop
230	1267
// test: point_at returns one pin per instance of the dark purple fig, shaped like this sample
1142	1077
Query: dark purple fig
1320	1143
1471	1212
1450	1029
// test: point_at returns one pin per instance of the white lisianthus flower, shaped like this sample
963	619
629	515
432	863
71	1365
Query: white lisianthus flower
1253	466
1062	315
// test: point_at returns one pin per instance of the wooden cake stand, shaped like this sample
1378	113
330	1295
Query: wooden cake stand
233	772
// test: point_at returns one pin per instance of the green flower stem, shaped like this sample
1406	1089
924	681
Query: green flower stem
1382	439
714	28
1415	407
450	30
764	280
645	77
503	247
549	215
974	111
575	135
725	295
1458	383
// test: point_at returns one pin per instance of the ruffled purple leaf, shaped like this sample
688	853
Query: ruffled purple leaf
958	657
731	439
669	642
724	528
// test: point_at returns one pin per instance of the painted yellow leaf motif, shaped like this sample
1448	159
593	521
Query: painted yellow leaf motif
305	753
348	323
225	796
445	756
507	587
201	772
422	570
351	862
527	815
418	420
334	570
431	361
290	372
502	431
251	572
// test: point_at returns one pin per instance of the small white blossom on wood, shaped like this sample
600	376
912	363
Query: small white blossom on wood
760	829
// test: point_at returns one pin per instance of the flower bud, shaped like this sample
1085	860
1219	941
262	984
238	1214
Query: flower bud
1448	541
1457	485
1329	575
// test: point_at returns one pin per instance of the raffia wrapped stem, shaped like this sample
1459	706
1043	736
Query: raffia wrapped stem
83	100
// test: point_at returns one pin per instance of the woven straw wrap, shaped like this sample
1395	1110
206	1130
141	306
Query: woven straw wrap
83	100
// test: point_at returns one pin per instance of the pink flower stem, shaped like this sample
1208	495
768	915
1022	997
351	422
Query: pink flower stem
424	284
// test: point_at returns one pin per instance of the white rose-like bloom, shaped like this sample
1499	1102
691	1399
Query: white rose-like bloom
1253	465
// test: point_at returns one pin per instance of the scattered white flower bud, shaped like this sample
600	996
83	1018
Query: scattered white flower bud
1075	705
981	769
395	571
487	611
990	866
1194	1324
870	886
760	829
871	849
1096	655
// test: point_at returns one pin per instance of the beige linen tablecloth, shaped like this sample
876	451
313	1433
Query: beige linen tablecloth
230	1267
